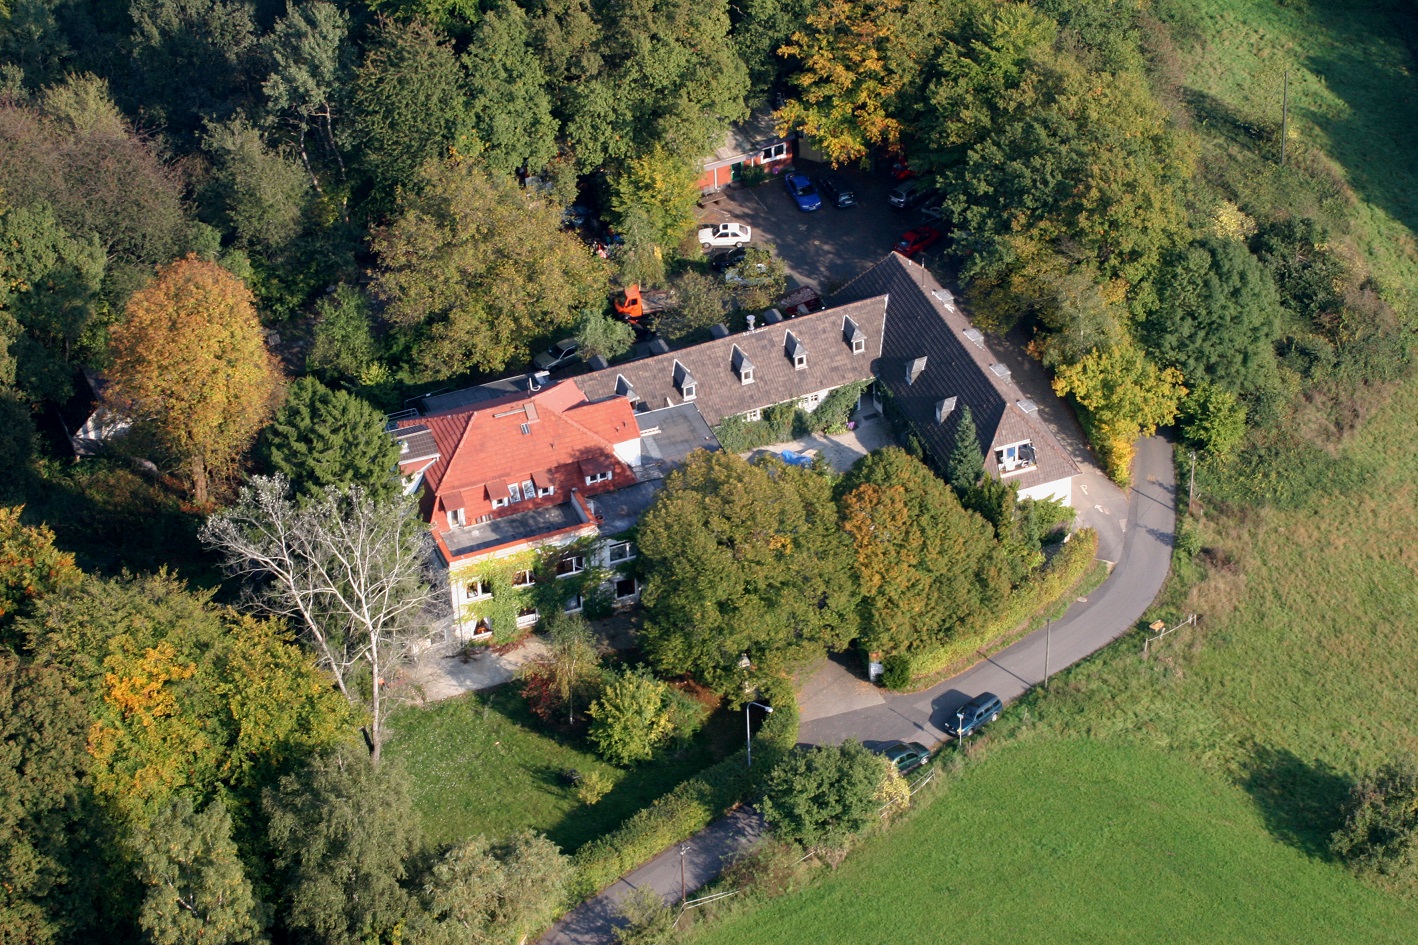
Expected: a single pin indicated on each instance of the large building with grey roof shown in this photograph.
(935, 363)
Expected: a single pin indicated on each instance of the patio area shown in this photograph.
(869, 432)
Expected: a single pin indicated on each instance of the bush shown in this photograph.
(896, 671)
(632, 718)
(1380, 832)
(823, 795)
(591, 787)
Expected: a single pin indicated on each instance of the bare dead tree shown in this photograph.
(352, 574)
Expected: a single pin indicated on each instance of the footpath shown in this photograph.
(1141, 556)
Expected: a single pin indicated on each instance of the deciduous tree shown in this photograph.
(196, 887)
(351, 573)
(481, 891)
(568, 667)
(30, 566)
(1380, 832)
(821, 796)
(631, 718)
(849, 80)
(476, 269)
(342, 830)
(509, 103)
(744, 560)
(190, 364)
(1212, 420)
(408, 103)
(599, 334)
(924, 564)
(1123, 396)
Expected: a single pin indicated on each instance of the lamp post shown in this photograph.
(748, 732)
(1048, 637)
(960, 726)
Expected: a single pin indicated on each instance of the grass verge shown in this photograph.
(481, 764)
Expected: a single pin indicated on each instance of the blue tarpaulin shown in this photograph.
(795, 459)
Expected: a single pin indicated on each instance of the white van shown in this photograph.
(905, 194)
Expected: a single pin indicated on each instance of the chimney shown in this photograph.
(659, 346)
(719, 331)
(914, 369)
(598, 363)
(772, 317)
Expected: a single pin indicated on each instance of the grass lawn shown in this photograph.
(1074, 840)
(482, 764)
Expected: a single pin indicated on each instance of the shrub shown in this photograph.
(648, 921)
(896, 671)
(591, 787)
(632, 717)
(823, 795)
(1380, 832)
(1007, 623)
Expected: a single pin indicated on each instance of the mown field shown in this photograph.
(1190, 798)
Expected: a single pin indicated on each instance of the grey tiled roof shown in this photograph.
(923, 322)
(719, 393)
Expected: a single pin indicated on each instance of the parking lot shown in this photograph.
(828, 247)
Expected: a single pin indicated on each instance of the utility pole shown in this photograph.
(1284, 116)
(683, 892)
(1191, 484)
(1048, 638)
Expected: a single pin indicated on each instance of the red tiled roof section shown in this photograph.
(485, 447)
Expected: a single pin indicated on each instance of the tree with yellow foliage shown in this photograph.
(1121, 396)
(190, 367)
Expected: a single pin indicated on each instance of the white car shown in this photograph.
(724, 234)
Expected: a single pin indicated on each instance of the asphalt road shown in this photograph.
(1141, 567)
(844, 707)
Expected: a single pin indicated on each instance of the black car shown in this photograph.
(837, 191)
(965, 720)
(906, 757)
(727, 260)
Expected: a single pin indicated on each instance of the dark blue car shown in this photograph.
(969, 717)
(804, 194)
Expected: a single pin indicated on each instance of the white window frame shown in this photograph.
(858, 346)
(690, 391)
(745, 377)
(528, 619)
(599, 477)
(528, 488)
(626, 546)
(456, 518)
(501, 503)
(529, 582)
(574, 605)
(486, 624)
(577, 563)
(483, 589)
(754, 415)
(774, 152)
(634, 582)
(799, 362)
(515, 491)
(545, 492)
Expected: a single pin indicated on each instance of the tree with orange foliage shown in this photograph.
(190, 365)
(30, 565)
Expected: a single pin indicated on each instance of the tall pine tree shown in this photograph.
(967, 463)
(322, 437)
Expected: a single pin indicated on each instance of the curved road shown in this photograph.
(837, 706)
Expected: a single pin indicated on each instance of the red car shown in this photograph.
(914, 241)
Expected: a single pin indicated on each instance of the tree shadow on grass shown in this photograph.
(1300, 800)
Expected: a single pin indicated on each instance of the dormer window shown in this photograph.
(859, 345)
(684, 381)
(594, 478)
(501, 502)
(456, 518)
(1015, 457)
(853, 335)
(514, 490)
(795, 351)
(742, 366)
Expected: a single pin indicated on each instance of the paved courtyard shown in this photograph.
(870, 432)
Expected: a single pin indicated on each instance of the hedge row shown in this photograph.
(694, 804)
(1011, 622)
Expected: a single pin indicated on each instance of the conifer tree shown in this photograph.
(967, 463)
(322, 437)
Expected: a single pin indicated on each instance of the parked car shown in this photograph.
(906, 195)
(559, 354)
(907, 756)
(802, 191)
(727, 259)
(725, 234)
(969, 717)
(917, 240)
(837, 191)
